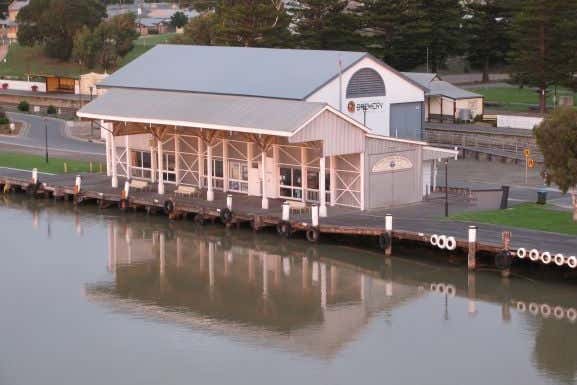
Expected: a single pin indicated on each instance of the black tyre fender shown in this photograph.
(313, 234)
(168, 206)
(384, 241)
(32, 189)
(284, 229)
(503, 259)
(199, 219)
(226, 215)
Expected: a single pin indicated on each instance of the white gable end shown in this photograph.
(377, 116)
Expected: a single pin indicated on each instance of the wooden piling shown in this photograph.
(472, 255)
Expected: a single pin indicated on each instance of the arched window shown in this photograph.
(366, 82)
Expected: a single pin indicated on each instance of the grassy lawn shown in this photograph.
(515, 98)
(527, 216)
(22, 61)
(54, 165)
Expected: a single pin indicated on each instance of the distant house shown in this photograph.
(153, 26)
(446, 102)
(9, 26)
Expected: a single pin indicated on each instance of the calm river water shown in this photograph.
(90, 297)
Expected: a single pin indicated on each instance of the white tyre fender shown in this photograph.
(521, 306)
(521, 252)
(558, 312)
(559, 259)
(451, 243)
(546, 258)
(572, 262)
(434, 240)
(545, 310)
(442, 243)
(533, 308)
(534, 255)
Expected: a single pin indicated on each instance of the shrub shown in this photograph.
(4, 120)
(4, 86)
(51, 110)
(24, 106)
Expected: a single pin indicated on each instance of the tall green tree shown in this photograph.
(408, 33)
(325, 24)
(544, 45)
(53, 23)
(107, 43)
(557, 139)
(199, 30)
(178, 19)
(486, 28)
(252, 23)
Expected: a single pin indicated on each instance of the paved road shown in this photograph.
(33, 137)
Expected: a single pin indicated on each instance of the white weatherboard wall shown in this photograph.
(398, 90)
(22, 85)
(515, 121)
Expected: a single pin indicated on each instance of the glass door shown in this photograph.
(237, 176)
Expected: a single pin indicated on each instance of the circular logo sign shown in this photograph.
(351, 106)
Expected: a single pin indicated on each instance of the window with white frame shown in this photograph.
(237, 176)
(217, 173)
(140, 164)
(169, 172)
(291, 183)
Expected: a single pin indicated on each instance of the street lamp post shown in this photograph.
(45, 140)
(446, 187)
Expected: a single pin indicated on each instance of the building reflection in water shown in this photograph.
(294, 299)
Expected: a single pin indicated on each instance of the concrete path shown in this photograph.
(32, 138)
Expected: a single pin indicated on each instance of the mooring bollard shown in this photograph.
(77, 184)
(472, 256)
(389, 232)
(315, 215)
(286, 211)
(229, 202)
(126, 190)
(34, 175)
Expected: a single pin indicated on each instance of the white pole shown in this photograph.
(127, 160)
(362, 168)
(304, 177)
(286, 211)
(200, 162)
(322, 187)
(333, 179)
(263, 183)
(388, 222)
(78, 182)
(34, 175)
(209, 187)
(177, 158)
(113, 161)
(160, 154)
(315, 215)
(229, 201)
(126, 189)
(224, 165)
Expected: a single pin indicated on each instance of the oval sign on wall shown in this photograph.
(392, 163)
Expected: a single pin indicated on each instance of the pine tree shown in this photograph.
(544, 45)
(487, 33)
(325, 24)
(251, 23)
(407, 32)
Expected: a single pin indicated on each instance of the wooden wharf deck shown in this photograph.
(407, 229)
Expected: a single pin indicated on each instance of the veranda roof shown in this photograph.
(220, 112)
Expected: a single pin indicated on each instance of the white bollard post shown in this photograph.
(286, 211)
(77, 183)
(315, 215)
(472, 255)
(126, 189)
(389, 231)
(34, 175)
(229, 201)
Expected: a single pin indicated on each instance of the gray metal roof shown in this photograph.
(241, 113)
(263, 72)
(441, 87)
(423, 78)
(436, 86)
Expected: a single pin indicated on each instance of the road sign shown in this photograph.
(531, 163)
(527, 152)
